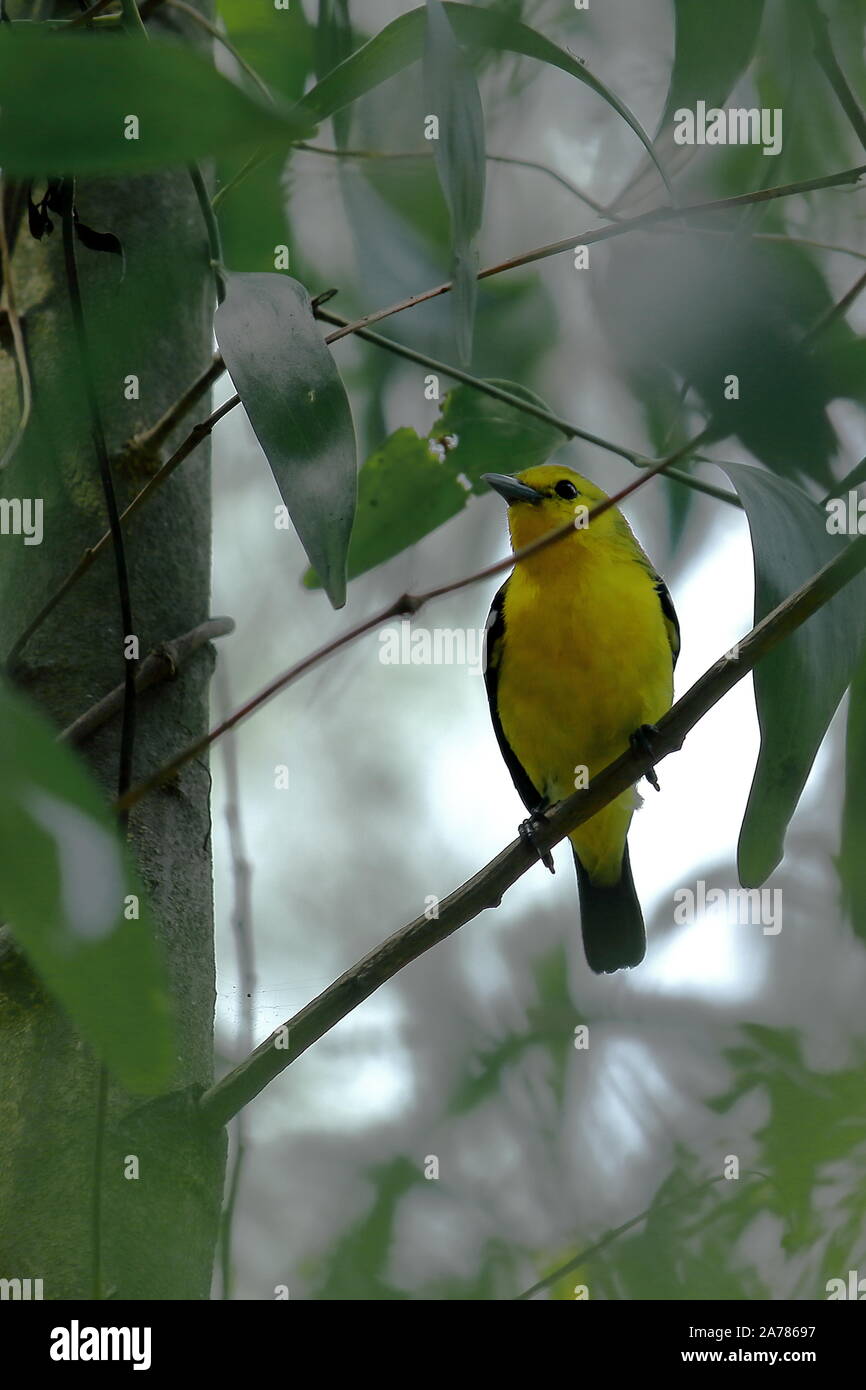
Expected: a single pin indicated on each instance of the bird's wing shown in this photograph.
(669, 613)
(495, 635)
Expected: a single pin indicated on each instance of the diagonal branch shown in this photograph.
(161, 664)
(487, 887)
(835, 76)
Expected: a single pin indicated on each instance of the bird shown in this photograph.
(580, 648)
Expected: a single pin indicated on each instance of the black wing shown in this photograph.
(670, 615)
(529, 795)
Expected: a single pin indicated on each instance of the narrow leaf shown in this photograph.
(297, 405)
(64, 884)
(451, 95)
(852, 860)
(400, 44)
(799, 685)
(86, 104)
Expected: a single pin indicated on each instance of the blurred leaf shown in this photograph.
(798, 686)
(400, 44)
(297, 405)
(852, 858)
(67, 100)
(493, 436)
(728, 315)
(795, 1154)
(64, 878)
(356, 1265)
(404, 491)
(550, 1024)
(451, 93)
(253, 220)
(278, 44)
(713, 47)
(333, 43)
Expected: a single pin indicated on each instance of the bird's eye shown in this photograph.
(565, 489)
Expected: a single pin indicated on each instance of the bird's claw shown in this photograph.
(641, 742)
(527, 831)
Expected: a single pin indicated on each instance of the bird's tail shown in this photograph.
(611, 920)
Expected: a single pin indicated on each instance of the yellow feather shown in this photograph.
(586, 658)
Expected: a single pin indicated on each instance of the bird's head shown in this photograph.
(546, 498)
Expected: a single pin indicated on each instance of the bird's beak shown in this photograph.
(511, 488)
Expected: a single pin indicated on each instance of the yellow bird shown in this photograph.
(582, 640)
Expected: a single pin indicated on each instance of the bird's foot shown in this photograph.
(641, 742)
(527, 832)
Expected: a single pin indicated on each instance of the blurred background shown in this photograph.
(726, 1041)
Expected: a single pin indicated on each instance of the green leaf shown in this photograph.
(404, 492)
(400, 44)
(852, 860)
(724, 308)
(298, 407)
(67, 101)
(714, 46)
(493, 436)
(451, 93)
(64, 878)
(278, 44)
(798, 686)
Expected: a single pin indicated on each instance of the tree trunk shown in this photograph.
(159, 1228)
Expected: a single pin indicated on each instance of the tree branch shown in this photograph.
(486, 888)
(161, 664)
(143, 448)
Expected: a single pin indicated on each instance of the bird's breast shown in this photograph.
(586, 660)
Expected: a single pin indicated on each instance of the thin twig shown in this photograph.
(836, 311)
(256, 158)
(835, 76)
(242, 931)
(148, 443)
(610, 1236)
(214, 240)
(386, 155)
(161, 664)
(223, 39)
(486, 888)
(87, 15)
